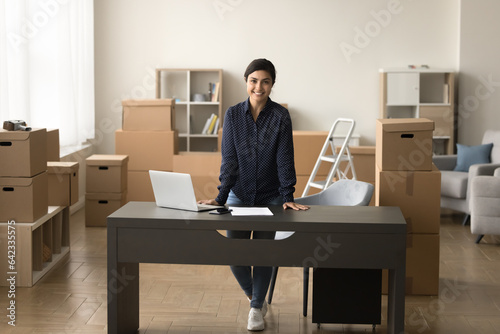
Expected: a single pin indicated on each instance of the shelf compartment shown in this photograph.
(402, 111)
(199, 83)
(204, 143)
(435, 88)
(173, 84)
(48, 235)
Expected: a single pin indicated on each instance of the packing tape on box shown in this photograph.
(409, 285)
(409, 226)
(409, 241)
(409, 183)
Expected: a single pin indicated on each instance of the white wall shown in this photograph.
(479, 83)
(304, 40)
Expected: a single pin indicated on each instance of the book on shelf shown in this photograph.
(216, 127)
(212, 124)
(209, 125)
(214, 91)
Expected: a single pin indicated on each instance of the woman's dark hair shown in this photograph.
(261, 64)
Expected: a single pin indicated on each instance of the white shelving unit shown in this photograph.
(187, 86)
(422, 92)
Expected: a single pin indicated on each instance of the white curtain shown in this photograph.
(47, 66)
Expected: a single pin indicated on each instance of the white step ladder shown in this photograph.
(343, 155)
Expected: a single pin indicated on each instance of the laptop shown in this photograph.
(175, 191)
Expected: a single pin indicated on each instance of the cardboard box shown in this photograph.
(53, 153)
(148, 115)
(198, 163)
(106, 173)
(422, 265)
(404, 144)
(363, 158)
(23, 199)
(24, 153)
(147, 149)
(204, 168)
(205, 187)
(418, 195)
(307, 147)
(98, 206)
(139, 187)
(63, 182)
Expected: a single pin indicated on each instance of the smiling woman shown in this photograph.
(257, 170)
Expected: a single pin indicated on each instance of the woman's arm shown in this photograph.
(285, 160)
(229, 162)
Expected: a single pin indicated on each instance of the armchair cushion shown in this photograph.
(471, 155)
(454, 184)
(445, 162)
(485, 205)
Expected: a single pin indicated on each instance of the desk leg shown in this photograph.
(396, 300)
(123, 291)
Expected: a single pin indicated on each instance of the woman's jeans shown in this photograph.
(257, 285)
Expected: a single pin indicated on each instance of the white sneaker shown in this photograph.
(264, 307)
(255, 320)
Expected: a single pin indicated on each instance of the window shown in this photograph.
(47, 66)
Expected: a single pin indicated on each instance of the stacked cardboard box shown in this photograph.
(63, 182)
(106, 187)
(23, 175)
(204, 169)
(53, 145)
(406, 177)
(62, 176)
(150, 141)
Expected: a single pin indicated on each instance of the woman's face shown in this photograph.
(259, 85)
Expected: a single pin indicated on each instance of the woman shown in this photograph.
(257, 170)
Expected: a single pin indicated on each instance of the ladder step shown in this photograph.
(333, 158)
(318, 184)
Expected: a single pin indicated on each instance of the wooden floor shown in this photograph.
(206, 299)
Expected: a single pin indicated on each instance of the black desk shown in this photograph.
(325, 236)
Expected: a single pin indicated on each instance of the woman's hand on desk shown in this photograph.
(208, 201)
(295, 206)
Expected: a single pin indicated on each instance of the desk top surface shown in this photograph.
(341, 219)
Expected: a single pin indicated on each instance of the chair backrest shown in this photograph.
(493, 136)
(342, 192)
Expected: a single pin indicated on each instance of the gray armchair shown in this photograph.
(485, 205)
(455, 186)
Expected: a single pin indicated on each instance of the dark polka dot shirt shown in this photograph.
(257, 156)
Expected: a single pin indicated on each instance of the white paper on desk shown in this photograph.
(250, 211)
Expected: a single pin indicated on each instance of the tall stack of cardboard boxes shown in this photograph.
(31, 191)
(23, 175)
(150, 141)
(407, 178)
(106, 187)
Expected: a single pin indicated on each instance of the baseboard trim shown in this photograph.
(77, 206)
